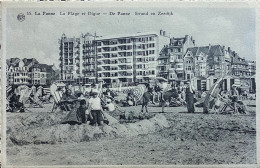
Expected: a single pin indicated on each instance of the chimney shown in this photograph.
(171, 40)
(163, 33)
(193, 42)
(228, 49)
(186, 37)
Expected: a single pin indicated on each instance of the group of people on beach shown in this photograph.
(87, 107)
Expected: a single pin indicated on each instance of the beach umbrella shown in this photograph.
(212, 93)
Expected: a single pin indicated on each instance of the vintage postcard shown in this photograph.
(129, 84)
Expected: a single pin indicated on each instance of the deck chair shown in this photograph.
(25, 96)
(57, 95)
(57, 101)
(36, 101)
(46, 95)
(12, 107)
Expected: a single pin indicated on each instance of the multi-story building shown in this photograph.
(22, 71)
(121, 58)
(212, 60)
(29, 72)
(189, 62)
(170, 61)
(10, 68)
(88, 73)
(251, 67)
(218, 63)
(138, 57)
(42, 74)
(240, 66)
(129, 58)
(69, 58)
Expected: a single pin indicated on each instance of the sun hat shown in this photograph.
(94, 91)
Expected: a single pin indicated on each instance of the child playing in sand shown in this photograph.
(81, 112)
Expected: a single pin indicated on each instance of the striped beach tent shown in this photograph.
(46, 91)
(138, 92)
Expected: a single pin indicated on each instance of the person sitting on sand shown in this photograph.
(180, 97)
(67, 95)
(217, 103)
(15, 103)
(130, 100)
(110, 106)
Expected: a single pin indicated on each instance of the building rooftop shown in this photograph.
(211, 50)
(125, 35)
(12, 61)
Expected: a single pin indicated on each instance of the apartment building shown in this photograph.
(21, 74)
(251, 67)
(170, 61)
(211, 60)
(28, 72)
(128, 58)
(69, 58)
(10, 69)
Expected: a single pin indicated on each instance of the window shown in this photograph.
(188, 76)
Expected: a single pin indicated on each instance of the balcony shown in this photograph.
(90, 70)
(178, 61)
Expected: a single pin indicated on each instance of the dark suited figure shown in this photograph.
(190, 98)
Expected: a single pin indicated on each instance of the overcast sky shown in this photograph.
(37, 36)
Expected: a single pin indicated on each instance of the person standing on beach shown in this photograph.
(81, 111)
(190, 98)
(234, 97)
(95, 108)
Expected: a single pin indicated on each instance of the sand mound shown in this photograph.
(46, 129)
